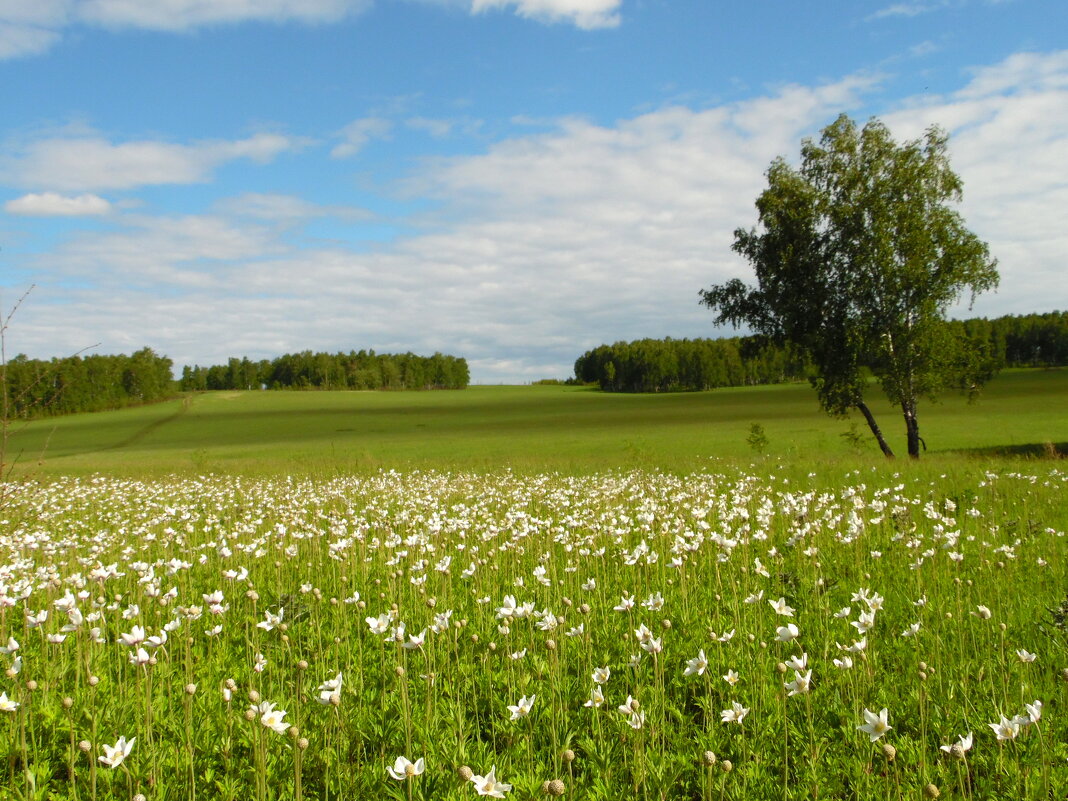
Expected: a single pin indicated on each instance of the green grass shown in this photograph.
(537, 428)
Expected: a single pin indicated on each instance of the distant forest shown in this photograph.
(353, 370)
(679, 365)
(39, 388)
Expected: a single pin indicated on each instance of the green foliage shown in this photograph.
(857, 260)
(38, 388)
(362, 370)
(757, 439)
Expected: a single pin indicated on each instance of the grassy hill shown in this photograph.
(570, 429)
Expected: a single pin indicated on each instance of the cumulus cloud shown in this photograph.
(355, 136)
(586, 14)
(86, 163)
(52, 204)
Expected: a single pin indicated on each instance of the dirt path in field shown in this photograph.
(155, 425)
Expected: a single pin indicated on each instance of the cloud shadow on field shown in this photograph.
(1030, 450)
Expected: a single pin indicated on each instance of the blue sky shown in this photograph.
(514, 181)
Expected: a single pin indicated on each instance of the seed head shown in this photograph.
(726, 765)
(931, 791)
(293, 732)
(465, 773)
(85, 746)
(568, 755)
(31, 685)
(250, 715)
(708, 758)
(302, 743)
(302, 664)
(190, 688)
(94, 680)
(889, 752)
(68, 702)
(399, 670)
(550, 645)
(554, 787)
(253, 696)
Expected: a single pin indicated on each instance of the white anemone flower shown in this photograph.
(402, 769)
(115, 754)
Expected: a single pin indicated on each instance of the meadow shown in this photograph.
(531, 429)
(530, 592)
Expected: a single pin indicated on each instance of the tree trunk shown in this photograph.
(912, 428)
(864, 410)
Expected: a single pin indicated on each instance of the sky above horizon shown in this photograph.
(512, 181)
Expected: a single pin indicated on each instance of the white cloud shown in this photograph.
(31, 28)
(180, 15)
(86, 163)
(358, 133)
(286, 209)
(586, 14)
(51, 204)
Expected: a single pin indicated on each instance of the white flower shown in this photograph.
(735, 714)
(625, 604)
(1026, 656)
(596, 700)
(912, 630)
(380, 624)
(522, 709)
(801, 682)
(1005, 729)
(786, 633)
(875, 725)
(134, 637)
(601, 675)
(415, 641)
(731, 678)
(654, 603)
(272, 718)
(983, 613)
(115, 754)
(271, 620)
(139, 657)
(488, 784)
(797, 662)
(845, 663)
(6, 704)
(696, 666)
(964, 742)
(782, 608)
(402, 769)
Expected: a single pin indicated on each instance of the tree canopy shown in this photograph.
(858, 257)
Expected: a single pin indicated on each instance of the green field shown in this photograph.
(570, 429)
(642, 607)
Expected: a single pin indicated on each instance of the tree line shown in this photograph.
(681, 365)
(40, 388)
(360, 370)
(47, 387)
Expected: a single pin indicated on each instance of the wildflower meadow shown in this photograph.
(736, 633)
